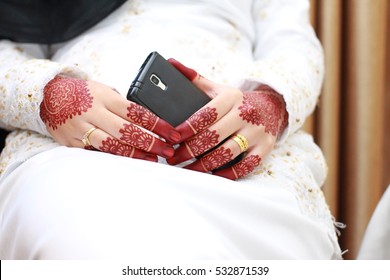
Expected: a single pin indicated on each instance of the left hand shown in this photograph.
(72, 109)
(257, 117)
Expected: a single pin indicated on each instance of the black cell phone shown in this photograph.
(165, 91)
(162, 89)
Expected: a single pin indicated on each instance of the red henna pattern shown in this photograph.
(90, 148)
(203, 119)
(203, 142)
(141, 116)
(247, 165)
(261, 108)
(63, 99)
(216, 158)
(134, 136)
(114, 146)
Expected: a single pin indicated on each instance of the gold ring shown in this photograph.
(241, 141)
(86, 135)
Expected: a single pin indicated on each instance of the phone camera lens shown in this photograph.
(155, 80)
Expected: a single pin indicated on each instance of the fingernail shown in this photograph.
(174, 136)
(150, 157)
(188, 72)
(171, 161)
(168, 152)
(226, 173)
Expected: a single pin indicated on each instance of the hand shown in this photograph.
(71, 107)
(257, 117)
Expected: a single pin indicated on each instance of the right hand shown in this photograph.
(71, 107)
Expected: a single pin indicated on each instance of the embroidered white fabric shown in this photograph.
(58, 202)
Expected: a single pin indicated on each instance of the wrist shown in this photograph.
(276, 101)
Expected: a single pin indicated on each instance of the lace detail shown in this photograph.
(20, 95)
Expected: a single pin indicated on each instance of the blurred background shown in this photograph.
(352, 120)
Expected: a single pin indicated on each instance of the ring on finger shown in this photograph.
(86, 135)
(242, 142)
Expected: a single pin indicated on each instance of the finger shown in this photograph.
(133, 135)
(216, 110)
(240, 169)
(217, 158)
(104, 142)
(141, 139)
(199, 121)
(198, 145)
(212, 160)
(114, 146)
(142, 117)
(206, 140)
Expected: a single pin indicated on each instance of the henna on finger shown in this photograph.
(240, 169)
(116, 147)
(199, 121)
(203, 142)
(195, 146)
(146, 119)
(141, 116)
(136, 137)
(63, 99)
(211, 161)
(90, 148)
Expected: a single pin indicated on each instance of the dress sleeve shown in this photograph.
(288, 57)
(24, 72)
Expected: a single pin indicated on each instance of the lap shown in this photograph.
(71, 204)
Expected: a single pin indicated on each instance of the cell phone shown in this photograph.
(165, 91)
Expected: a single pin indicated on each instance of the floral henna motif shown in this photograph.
(136, 137)
(202, 119)
(114, 146)
(263, 108)
(64, 98)
(216, 158)
(141, 116)
(203, 142)
(246, 166)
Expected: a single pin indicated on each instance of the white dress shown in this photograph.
(69, 203)
(376, 240)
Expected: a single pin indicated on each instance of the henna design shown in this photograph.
(90, 148)
(202, 119)
(114, 146)
(203, 142)
(141, 116)
(216, 158)
(263, 108)
(246, 166)
(63, 99)
(136, 137)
